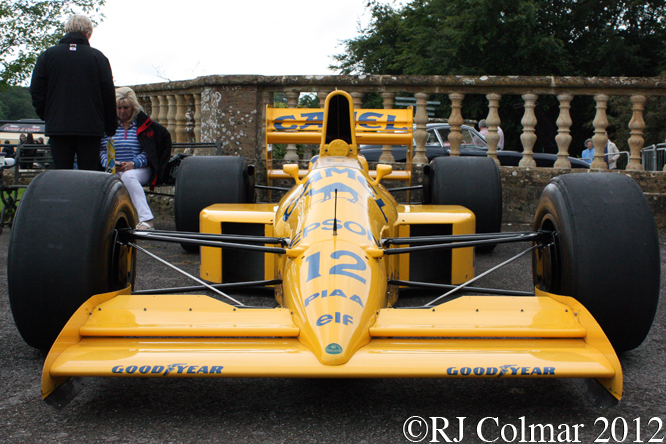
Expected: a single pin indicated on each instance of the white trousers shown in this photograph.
(134, 180)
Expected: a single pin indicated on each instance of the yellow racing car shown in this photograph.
(337, 249)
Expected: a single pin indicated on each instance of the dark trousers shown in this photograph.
(86, 148)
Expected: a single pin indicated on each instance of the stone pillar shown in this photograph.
(197, 117)
(600, 137)
(321, 95)
(493, 121)
(155, 108)
(420, 135)
(387, 150)
(171, 116)
(181, 118)
(292, 102)
(528, 137)
(455, 121)
(357, 98)
(164, 110)
(636, 141)
(563, 137)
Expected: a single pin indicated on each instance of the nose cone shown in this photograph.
(341, 290)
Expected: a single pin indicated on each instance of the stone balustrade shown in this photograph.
(231, 108)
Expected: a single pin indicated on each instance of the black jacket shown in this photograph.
(155, 141)
(72, 89)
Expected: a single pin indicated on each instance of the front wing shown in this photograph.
(117, 334)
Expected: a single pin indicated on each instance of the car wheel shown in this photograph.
(472, 182)
(63, 249)
(605, 252)
(206, 180)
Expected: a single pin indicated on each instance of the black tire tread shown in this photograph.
(59, 250)
(609, 251)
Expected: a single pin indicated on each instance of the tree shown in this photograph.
(512, 37)
(27, 27)
(16, 104)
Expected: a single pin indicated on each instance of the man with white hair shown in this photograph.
(72, 90)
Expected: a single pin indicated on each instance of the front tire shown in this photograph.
(605, 252)
(63, 249)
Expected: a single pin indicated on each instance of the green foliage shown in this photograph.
(27, 27)
(16, 104)
(510, 37)
(515, 37)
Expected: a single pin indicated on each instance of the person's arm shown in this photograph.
(140, 160)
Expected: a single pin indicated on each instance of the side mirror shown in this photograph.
(383, 171)
(292, 170)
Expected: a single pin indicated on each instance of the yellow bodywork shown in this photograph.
(335, 315)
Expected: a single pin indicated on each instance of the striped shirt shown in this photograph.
(128, 148)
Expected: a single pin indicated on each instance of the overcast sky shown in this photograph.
(148, 41)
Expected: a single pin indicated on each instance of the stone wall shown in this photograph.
(521, 189)
(229, 114)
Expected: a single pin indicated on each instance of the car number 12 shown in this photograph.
(340, 269)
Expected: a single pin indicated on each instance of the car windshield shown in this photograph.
(471, 139)
(432, 139)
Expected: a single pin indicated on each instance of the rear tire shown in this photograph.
(206, 180)
(605, 253)
(474, 183)
(62, 249)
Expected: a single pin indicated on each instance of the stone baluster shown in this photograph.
(420, 135)
(387, 150)
(171, 116)
(357, 98)
(321, 95)
(600, 137)
(563, 137)
(181, 118)
(155, 108)
(164, 110)
(455, 121)
(636, 141)
(197, 117)
(528, 137)
(493, 121)
(292, 102)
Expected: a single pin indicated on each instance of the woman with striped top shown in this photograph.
(130, 162)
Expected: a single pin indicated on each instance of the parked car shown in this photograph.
(473, 144)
